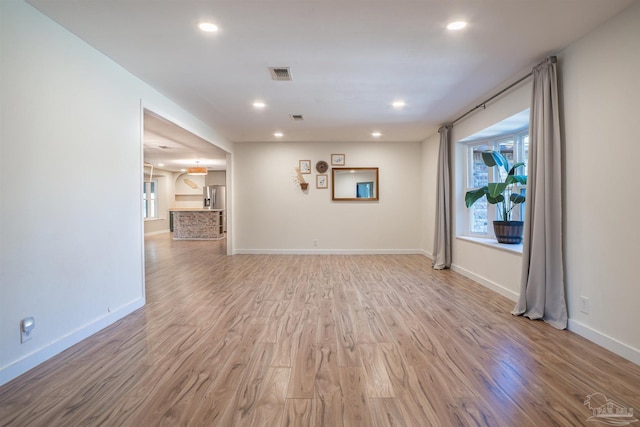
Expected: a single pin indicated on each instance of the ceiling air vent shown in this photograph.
(280, 73)
(297, 117)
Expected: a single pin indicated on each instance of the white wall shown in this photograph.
(429, 179)
(493, 267)
(216, 178)
(601, 90)
(274, 215)
(185, 196)
(70, 234)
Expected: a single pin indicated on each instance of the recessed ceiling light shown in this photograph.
(278, 134)
(376, 134)
(208, 27)
(160, 164)
(398, 104)
(457, 25)
(259, 104)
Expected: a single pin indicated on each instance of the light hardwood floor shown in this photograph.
(317, 340)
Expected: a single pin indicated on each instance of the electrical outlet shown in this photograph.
(26, 327)
(585, 305)
(315, 242)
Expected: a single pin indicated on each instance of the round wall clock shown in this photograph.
(322, 166)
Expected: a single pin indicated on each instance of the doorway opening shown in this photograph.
(179, 169)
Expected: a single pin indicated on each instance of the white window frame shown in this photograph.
(150, 199)
(468, 171)
(492, 144)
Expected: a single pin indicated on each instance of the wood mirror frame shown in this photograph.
(355, 184)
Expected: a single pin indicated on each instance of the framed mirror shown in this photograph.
(354, 184)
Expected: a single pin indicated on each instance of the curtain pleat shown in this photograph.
(442, 235)
(542, 287)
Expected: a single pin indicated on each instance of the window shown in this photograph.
(515, 147)
(150, 199)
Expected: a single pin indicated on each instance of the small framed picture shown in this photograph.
(337, 159)
(305, 166)
(322, 181)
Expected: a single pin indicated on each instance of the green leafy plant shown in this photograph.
(499, 193)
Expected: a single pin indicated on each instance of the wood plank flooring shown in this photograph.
(317, 340)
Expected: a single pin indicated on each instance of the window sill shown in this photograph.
(492, 243)
(153, 219)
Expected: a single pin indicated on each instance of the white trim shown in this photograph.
(492, 243)
(153, 233)
(328, 252)
(486, 282)
(230, 206)
(38, 356)
(143, 271)
(154, 219)
(427, 254)
(492, 143)
(615, 346)
(621, 349)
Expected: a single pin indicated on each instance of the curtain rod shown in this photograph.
(552, 59)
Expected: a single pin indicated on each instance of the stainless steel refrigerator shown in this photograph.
(214, 197)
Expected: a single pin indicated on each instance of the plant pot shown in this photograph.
(304, 185)
(508, 231)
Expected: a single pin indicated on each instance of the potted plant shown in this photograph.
(501, 194)
(299, 179)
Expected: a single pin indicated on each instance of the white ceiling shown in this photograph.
(349, 58)
(170, 147)
(519, 121)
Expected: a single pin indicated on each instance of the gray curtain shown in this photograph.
(442, 235)
(542, 289)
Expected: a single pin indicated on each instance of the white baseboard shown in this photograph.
(327, 252)
(427, 254)
(153, 233)
(610, 343)
(621, 349)
(29, 361)
(513, 296)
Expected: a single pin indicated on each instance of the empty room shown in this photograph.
(319, 213)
